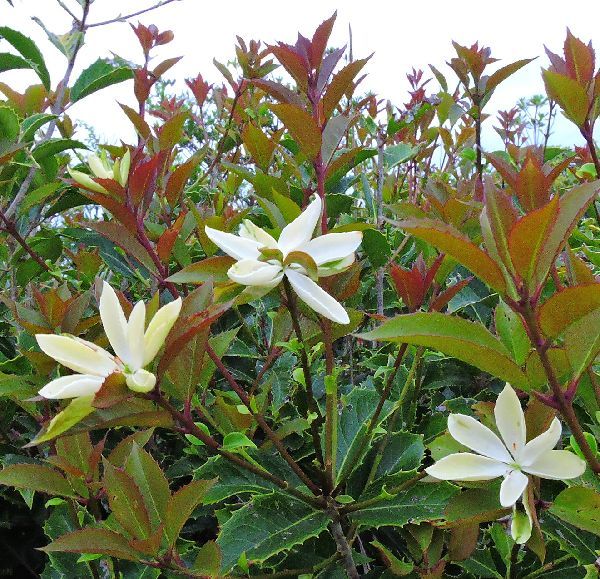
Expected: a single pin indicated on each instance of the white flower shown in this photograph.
(511, 457)
(263, 261)
(134, 349)
(101, 168)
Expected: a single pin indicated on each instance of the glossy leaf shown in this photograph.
(37, 477)
(468, 341)
(29, 51)
(99, 75)
(301, 126)
(579, 506)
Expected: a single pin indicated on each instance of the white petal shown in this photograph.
(158, 329)
(510, 420)
(466, 466)
(236, 247)
(86, 181)
(72, 386)
(333, 246)
(334, 267)
(249, 230)
(98, 168)
(253, 272)
(297, 233)
(114, 321)
(135, 336)
(540, 444)
(512, 488)
(557, 465)
(141, 381)
(477, 437)
(317, 298)
(78, 355)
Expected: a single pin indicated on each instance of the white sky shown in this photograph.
(401, 34)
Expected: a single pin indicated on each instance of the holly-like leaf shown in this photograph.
(74, 412)
(422, 502)
(269, 525)
(468, 341)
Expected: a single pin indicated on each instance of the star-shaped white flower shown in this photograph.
(135, 347)
(264, 261)
(511, 457)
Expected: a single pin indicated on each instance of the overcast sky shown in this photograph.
(401, 34)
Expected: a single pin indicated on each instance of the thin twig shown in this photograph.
(122, 18)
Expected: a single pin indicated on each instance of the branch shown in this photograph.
(261, 421)
(123, 18)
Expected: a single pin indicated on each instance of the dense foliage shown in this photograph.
(337, 299)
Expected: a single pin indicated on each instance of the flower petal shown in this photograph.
(141, 381)
(114, 321)
(78, 355)
(557, 465)
(135, 336)
(72, 386)
(510, 420)
(333, 246)
(477, 437)
(467, 466)
(512, 488)
(317, 298)
(158, 329)
(236, 247)
(253, 272)
(249, 230)
(540, 444)
(98, 167)
(333, 267)
(297, 233)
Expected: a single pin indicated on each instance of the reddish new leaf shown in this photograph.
(301, 126)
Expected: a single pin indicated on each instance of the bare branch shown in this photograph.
(123, 18)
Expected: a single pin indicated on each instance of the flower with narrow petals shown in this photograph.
(135, 347)
(101, 168)
(262, 261)
(512, 457)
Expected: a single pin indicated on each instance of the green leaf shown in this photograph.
(481, 564)
(468, 341)
(214, 268)
(31, 124)
(36, 477)
(235, 440)
(29, 51)
(209, 560)
(269, 525)
(99, 75)
(76, 411)
(151, 481)
(352, 427)
(181, 506)
(567, 306)
(10, 61)
(9, 124)
(55, 146)
(579, 506)
(234, 480)
(422, 502)
(477, 505)
(512, 332)
(91, 540)
(376, 247)
(396, 154)
(570, 95)
(582, 342)
(397, 567)
(403, 452)
(126, 502)
(580, 544)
